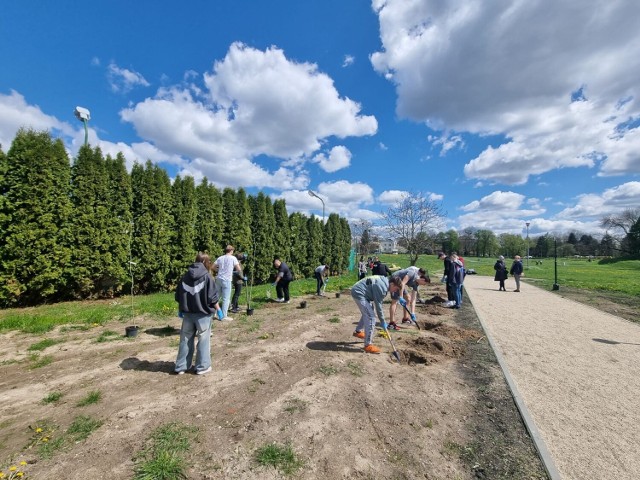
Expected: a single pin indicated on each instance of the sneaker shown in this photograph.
(371, 349)
(227, 319)
(181, 372)
(235, 310)
(393, 326)
(406, 320)
(286, 301)
(358, 334)
(279, 300)
(202, 372)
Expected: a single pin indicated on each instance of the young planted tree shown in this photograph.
(36, 250)
(412, 214)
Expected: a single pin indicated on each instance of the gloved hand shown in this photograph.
(220, 314)
(413, 317)
(383, 325)
(402, 302)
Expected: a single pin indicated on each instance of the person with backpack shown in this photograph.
(320, 273)
(364, 292)
(455, 276)
(517, 270)
(197, 299)
(283, 278)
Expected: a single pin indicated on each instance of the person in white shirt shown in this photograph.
(320, 274)
(225, 265)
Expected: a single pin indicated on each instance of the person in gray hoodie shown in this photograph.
(372, 289)
(197, 301)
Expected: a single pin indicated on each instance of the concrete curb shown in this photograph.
(541, 447)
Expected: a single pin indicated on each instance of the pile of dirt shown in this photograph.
(435, 300)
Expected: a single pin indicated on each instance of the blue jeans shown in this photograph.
(457, 290)
(224, 294)
(194, 325)
(367, 319)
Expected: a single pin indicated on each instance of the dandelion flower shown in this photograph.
(20, 474)
(45, 439)
(23, 463)
(1, 475)
(38, 430)
(13, 469)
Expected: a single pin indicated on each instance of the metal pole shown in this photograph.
(86, 132)
(555, 253)
(527, 244)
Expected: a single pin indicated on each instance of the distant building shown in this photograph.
(390, 245)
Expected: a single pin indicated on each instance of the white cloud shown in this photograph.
(556, 86)
(611, 201)
(123, 80)
(446, 142)
(391, 197)
(342, 197)
(339, 157)
(16, 113)
(255, 103)
(348, 60)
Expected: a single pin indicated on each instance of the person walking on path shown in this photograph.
(410, 277)
(455, 276)
(283, 279)
(372, 289)
(517, 271)
(501, 273)
(225, 265)
(197, 301)
(451, 300)
(239, 278)
(362, 268)
(321, 273)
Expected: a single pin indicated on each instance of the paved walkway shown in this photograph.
(575, 374)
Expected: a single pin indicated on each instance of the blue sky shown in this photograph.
(503, 111)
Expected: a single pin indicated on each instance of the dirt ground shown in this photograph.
(287, 375)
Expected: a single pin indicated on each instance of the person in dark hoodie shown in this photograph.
(197, 301)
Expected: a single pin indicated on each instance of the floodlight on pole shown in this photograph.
(527, 224)
(84, 116)
(314, 194)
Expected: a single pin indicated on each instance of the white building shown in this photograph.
(388, 245)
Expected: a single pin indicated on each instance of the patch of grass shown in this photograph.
(52, 397)
(48, 449)
(428, 423)
(255, 383)
(82, 427)
(108, 336)
(9, 362)
(281, 457)
(334, 320)
(162, 458)
(328, 370)
(37, 361)
(92, 397)
(355, 369)
(42, 344)
(295, 405)
(174, 342)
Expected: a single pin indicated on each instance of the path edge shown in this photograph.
(538, 442)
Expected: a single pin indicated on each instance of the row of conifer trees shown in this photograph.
(81, 229)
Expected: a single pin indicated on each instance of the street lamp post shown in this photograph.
(527, 224)
(84, 116)
(555, 264)
(314, 194)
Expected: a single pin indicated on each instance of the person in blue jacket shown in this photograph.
(372, 289)
(517, 270)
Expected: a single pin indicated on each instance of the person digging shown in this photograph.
(372, 289)
(410, 277)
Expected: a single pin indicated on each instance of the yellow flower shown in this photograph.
(1, 475)
(23, 463)
(45, 439)
(13, 469)
(19, 474)
(38, 430)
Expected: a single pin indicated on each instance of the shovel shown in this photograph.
(395, 352)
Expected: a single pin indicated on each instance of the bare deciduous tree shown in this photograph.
(412, 215)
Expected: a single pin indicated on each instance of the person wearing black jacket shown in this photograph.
(197, 302)
(380, 268)
(283, 279)
(451, 298)
(238, 280)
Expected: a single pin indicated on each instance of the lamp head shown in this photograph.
(82, 114)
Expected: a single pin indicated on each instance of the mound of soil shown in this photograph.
(435, 300)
